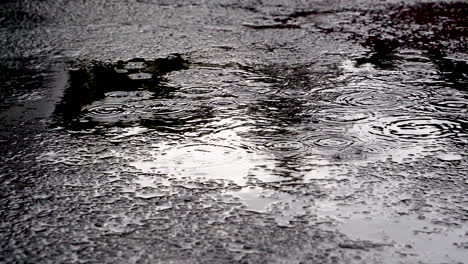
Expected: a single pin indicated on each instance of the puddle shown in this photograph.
(119, 94)
(415, 129)
(409, 236)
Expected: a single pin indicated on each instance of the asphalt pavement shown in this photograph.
(283, 131)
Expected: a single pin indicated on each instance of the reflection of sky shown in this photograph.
(218, 156)
(272, 142)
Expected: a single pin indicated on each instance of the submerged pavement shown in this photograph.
(152, 131)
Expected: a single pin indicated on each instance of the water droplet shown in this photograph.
(450, 157)
(197, 90)
(140, 76)
(135, 65)
(122, 71)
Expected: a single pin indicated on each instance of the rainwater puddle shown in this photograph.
(168, 94)
(281, 206)
(289, 148)
(415, 128)
(119, 94)
(283, 128)
(282, 152)
(409, 236)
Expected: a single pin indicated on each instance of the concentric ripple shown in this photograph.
(333, 141)
(380, 95)
(343, 115)
(224, 104)
(366, 98)
(278, 146)
(293, 93)
(418, 128)
(198, 91)
(286, 146)
(450, 105)
(326, 142)
(104, 112)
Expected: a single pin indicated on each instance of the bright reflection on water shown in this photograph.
(296, 147)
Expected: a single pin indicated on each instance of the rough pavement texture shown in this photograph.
(154, 131)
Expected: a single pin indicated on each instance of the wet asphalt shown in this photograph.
(284, 131)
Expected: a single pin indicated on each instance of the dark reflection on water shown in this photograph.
(18, 81)
(453, 70)
(125, 93)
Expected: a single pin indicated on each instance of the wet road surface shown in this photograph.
(151, 131)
